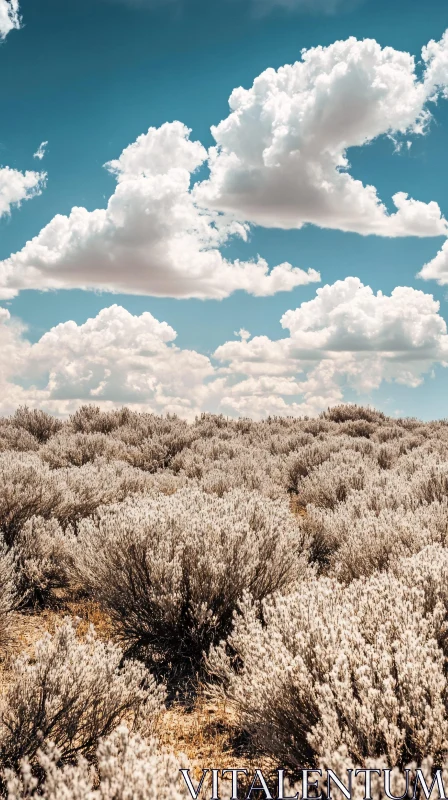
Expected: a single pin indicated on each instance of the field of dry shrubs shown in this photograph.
(288, 576)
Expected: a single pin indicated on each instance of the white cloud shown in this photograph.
(347, 336)
(41, 150)
(17, 186)
(120, 358)
(111, 359)
(281, 154)
(151, 239)
(9, 17)
(244, 335)
(437, 268)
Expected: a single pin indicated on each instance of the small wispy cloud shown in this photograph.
(41, 150)
(243, 334)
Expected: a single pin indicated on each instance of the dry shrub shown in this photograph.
(77, 449)
(37, 423)
(72, 692)
(27, 489)
(44, 560)
(128, 767)
(169, 523)
(9, 596)
(171, 570)
(90, 419)
(331, 483)
(12, 438)
(333, 665)
(350, 413)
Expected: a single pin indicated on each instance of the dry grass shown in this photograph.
(209, 737)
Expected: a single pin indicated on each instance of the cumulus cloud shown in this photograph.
(280, 158)
(151, 239)
(120, 358)
(9, 17)
(111, 359)
(347, 336)
(437, 268)
(41, 150)
(17, 186)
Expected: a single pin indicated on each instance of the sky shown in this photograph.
(235, 206)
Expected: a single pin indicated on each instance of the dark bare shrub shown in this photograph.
(171, 570)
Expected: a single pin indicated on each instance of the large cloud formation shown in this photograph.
(280, 161)
(346, 336)
(9, 17)
(281, 155)
(151, 239)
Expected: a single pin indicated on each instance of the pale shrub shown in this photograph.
(332, 481)
(128, 768)
(9, 597)
(95, 484)
(428, 571)
(333, 665)
(44, 560)
(357, 540)
(352, 412)
(90, 419)
(72, 692)
(339, 761)
(37, 423)
(27, 489)
(299, 464)
(76, 449)
(171, 570)
(12, 438)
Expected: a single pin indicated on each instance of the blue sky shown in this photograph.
(89, 77)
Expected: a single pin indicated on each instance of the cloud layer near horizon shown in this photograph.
(346, 335)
